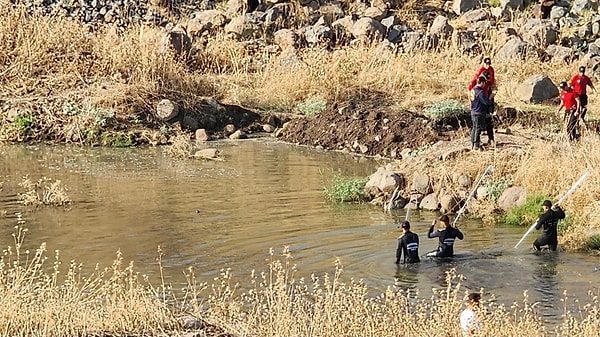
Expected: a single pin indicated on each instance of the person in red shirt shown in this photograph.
(580, 82)
(491, 79)
(570, 101)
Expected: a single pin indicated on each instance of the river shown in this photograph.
(212, 215)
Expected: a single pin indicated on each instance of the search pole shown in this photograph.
(488, 170)
(560, 201)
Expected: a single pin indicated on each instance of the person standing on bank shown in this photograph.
(570, 101)
(549, 222)
(491, 76)
(408, 244)
(447, 235)
(469, 323)
(479, 110)
(579, 83)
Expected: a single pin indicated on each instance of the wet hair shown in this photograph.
(474, 297)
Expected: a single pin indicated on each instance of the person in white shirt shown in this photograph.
(469, 322)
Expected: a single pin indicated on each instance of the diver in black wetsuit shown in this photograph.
(447, 235)
(409, 244)
(549, 221)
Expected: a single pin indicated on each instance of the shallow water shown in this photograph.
(213, 215)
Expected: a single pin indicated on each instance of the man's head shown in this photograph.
(481, 80)
(473, 299)
(547, 204)
(405, 225)
(582, 70)
(486, 74)
(563, 85)
(445, 220)
(487, 62)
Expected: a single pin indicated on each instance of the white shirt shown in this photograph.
(468, 321)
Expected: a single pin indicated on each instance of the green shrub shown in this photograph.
(565, 225)
(446, 109)
(594, 241)
(495, 187)
(116, 139)
(23, 123)
(346, 189)
(494, 3)
(312, 106)
(100, 117)
(526, 214)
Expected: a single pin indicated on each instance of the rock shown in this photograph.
(441, 26)
(557, 12)
(512, 196)
(511, 4)
(481, 193)
(461, 6)
(368, 28)
(331, 12)
(230, 128)
(513, 49)
(177, 41)
(463, 181)
(242, 27)
(390, 21)
(465, 41)
(202, 135)
(167, 110)
(209, 20)
(375, 13)
(268, 128)
(286, 39)
(207, 154)
(475, 15)
(189, 122)
(384, 181)
(560, 54)
(421, 184)
(239, 134)
(319, 34)
(536, 88)
(449, 203)
(235, 7)
(579, 6)
(541, 35)
(429, 203)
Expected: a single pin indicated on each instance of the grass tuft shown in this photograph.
(346, 189)
(526, 214)
(447, 109)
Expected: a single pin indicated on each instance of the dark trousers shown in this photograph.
(489, 127)
(583, 99)
(478, 125)
(545, 240)
(572, 127)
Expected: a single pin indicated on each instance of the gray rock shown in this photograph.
(189, 122)
(429, 203)
(207, 154)
(331, 12)
(536, 89)
(463, 180)
(560, 53)
(579, 6)
(319, 34)
(511, 4)
(475, 15)
(242, 27)
(482, 193)
(557, 12)
(239, 134)
(541, 35)
(461, 6)
(209, 20)
(286, 39)
(368, 28)
(375, 13)
(268, 128)
(230, 128)
(513, 49)
(465, 41)
(412, 42)
(449, 203)
(441, 26)
(176, 40)
(202, 135)
(511, 197)
(390, 21)
(167, 110)
(384, 181)
(421, 184)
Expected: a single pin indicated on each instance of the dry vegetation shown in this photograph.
(45, 191)
(45, 300)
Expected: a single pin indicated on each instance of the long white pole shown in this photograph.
(560, 201)
(487, 171)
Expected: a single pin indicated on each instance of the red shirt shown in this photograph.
(580, 83)
(490, 81)
(568, 96)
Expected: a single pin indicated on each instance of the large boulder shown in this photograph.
(430, 203)
(167, 110)
(449, 203)
(384, 181)
(536, 88)
(462, 6)
(513, 49)
(512, 196)
(209, 20)
(421, 184)
(368, 28)
(441, 26)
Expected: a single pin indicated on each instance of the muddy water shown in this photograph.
(212, 215)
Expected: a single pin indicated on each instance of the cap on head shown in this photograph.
(474, 297)
(444, 218)
(547, 203)
(563, 85)
(405, 224)
(582, 69)
(487, 61)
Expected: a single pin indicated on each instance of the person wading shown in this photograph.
(408, 243)
(479, 111)
(549, 222)
(447, 235)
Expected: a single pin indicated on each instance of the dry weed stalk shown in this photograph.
(43, 192)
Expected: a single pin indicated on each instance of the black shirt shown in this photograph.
(409, 244)
(447, 237)
(549, 221)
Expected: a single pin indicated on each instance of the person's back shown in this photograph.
(408, 244)
(446, 236)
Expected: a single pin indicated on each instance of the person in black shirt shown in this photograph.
(549, 221)
(447, 235)
(409, 244)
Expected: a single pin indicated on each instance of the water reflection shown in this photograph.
(407, 276)
(546, 283)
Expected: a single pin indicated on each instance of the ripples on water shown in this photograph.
(213, 215)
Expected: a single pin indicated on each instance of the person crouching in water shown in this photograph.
(549, 221)
(447, 235)
(408, 244)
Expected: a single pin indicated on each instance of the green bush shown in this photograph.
(346, 189)
(565, 225)
(23, 123)
(594, 241)
(494, 3)
(495, 187)
(100, 117)
(446, 109)
(526, 214)
(312, 106)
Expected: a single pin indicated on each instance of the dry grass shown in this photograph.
(43, 192)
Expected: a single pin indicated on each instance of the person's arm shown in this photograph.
(592, 86)
(562, 104)
(431, 234)
(483, 98)
(558, 212)
(459, 234)
(399, 250)
(542, 219)
(578, 104)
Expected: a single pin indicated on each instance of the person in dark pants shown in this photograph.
(408, 244)
(549, 222)
(579, 83)
(489, 118)
(570, 101)
(479, 110)
(447, 235)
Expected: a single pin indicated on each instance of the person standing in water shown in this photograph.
(408, 244)
(447, 235)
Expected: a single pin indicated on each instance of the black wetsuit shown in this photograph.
(447, 237)
(549, 221)
(409, 244)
